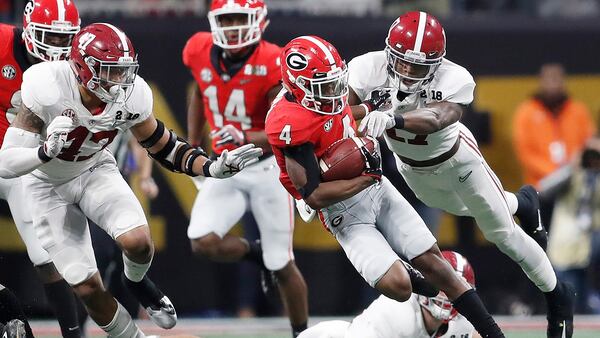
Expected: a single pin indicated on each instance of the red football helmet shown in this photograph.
(415, 47)
(440, 306)
(49, 27)
(314, 73)
(104, 61)
(229, 35)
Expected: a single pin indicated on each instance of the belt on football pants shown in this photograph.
(432, 161)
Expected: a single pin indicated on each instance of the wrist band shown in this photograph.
(205, 168)
(42, 155)
(399, 122)
(364, 105)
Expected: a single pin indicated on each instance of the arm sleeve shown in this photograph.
(304, 154)
(19, 153)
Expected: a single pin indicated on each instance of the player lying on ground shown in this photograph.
(439, 157)
(372, 222)
(419, 317)
(48, 28)
(237, 76)
(77, 108)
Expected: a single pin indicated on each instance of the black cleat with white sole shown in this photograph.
(560, 304)
(157, 305)
(528, 213)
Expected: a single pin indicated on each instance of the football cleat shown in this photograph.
(268, 283)
(157, 305)
(528, 213)
(14, 329)
(163, 316)
(419, 285)
(560, 312)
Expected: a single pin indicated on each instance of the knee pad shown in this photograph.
(74, 265)
(77, 273)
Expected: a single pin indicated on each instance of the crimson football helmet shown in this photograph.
(104, 61)
(440, 306)
(415, 47)
(314, 73)
(49, 27)
(237, 36)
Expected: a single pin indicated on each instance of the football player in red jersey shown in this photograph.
(237, 75)
(372, 222)
(48, 28)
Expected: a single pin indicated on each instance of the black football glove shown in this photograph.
(378, 98)
(372, 163)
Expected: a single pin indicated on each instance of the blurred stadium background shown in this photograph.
(502, 43)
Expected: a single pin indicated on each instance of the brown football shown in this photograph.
(343, 159)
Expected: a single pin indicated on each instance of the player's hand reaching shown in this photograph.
(378, 99)
(229, 135)
(56, 138)
(372, 161)
(376, 122)
(232, 162)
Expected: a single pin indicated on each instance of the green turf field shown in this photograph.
(531, 327)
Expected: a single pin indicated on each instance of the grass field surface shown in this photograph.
(514, 327)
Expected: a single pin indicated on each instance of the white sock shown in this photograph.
(135, 272)
(513, 203)
(122, 326)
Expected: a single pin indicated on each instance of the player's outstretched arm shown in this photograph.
(21, 151)
(302, 168)
(422, 121)
(177, 155)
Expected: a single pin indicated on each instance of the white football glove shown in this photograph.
(232, 162)
(229, 134)
(57, 132)
(376, 122)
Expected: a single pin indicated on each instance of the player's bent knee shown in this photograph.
(136, 244)
(395, 284)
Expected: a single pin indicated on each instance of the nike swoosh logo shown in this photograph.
(73, 328)
(539, 227)
(464, 178)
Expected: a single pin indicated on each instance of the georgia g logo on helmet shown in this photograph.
(296, 61)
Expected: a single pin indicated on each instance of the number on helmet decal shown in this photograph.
(85, 40)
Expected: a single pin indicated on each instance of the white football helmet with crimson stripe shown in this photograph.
(440, 306)
(415, 47)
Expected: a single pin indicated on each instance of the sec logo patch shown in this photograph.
(9, 72)
(206, 75)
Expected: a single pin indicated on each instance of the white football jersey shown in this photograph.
(387, 318)
(452, 83)
(50, 89)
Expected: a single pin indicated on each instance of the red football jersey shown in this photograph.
(13, 62)
(290, 124)
(238, 98)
